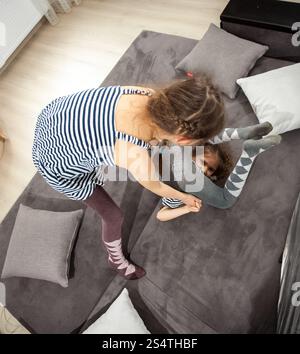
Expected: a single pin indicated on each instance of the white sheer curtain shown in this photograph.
(51, 8)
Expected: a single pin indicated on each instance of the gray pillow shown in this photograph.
(224, 57)
(41, 244)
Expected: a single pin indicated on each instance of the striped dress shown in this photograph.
(171, 202)
(74, 139)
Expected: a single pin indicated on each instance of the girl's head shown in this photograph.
(216, 162)
(188, 111)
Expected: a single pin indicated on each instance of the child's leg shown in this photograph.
(251, 149)
(225, 197)
(112, 220)
(250, 132)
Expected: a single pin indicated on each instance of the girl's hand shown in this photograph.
(194, 209)
(191, 201)
(166, 214)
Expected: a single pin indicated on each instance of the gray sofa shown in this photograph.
(213, 272)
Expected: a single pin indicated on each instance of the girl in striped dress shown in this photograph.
(79, 134)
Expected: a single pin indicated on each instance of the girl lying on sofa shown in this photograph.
(215, 163)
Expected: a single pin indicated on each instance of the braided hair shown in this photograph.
(191, 107)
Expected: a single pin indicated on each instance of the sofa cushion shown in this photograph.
(41, 244)
(224, 57)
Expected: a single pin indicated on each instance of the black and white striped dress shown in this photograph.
(75, 137)
(171, 202)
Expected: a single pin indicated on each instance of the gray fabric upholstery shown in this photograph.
(41, 244)
(289, 298)
(219, 270)
(224, 57)
(216, 271)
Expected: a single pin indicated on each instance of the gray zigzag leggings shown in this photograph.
(224, 198)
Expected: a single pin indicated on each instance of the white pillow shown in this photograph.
(275, 97)
(121, 317)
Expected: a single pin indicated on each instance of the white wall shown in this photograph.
(17, 19)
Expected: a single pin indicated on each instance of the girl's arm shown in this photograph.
(138, 162)
(166, 214)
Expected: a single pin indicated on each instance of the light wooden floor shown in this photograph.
(76, 54)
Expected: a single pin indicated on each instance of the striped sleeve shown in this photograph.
(171, 203)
